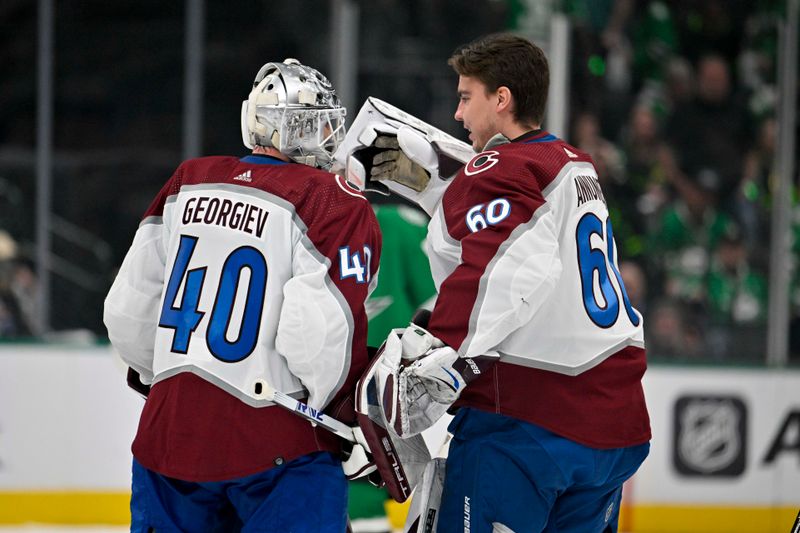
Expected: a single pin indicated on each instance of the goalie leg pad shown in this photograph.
(423, 515)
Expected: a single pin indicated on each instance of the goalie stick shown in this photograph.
(388, 453)
(303, 410)
(279, 398)
(400, 461)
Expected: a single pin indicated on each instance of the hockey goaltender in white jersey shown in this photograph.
(247, 277)
(264, 264)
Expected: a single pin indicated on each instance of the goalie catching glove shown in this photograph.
(421, 387)
(400, 461)
(418, 379)
(410, 384)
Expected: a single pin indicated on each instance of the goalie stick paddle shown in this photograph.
(309, 413)
(400, 461)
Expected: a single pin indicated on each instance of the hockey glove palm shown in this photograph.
(403, 159)
(434, 375)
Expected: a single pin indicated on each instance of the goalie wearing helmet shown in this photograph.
(248, 274)
(294, 110)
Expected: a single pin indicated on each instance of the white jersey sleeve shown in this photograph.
(316, 326)
(131, 307)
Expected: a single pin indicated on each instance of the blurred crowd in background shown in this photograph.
(674, 99)
(676, 102)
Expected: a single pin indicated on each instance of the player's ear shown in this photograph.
(504, 98)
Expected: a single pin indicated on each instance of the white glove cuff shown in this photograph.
(417, 341)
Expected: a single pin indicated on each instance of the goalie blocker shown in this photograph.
(400, 462)
(417, 159)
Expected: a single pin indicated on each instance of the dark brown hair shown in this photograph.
(503, 59)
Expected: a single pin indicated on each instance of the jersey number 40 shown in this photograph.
(184, 317)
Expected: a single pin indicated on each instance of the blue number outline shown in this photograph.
(185, 318)
(599, 259)
(227, 288)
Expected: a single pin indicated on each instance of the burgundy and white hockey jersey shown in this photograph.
(523, 255)
(244, 272)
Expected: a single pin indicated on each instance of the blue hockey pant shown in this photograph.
(503, 471)
(306, 495)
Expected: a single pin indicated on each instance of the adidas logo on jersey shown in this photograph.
(247, 176)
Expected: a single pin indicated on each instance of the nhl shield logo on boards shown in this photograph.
(710, 436)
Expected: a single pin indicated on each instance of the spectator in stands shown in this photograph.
(753, 200)
(13, 320)
(737, 293)
(676, 89)
(672, 332)
(635, 281)
(645, 192)
(737, 301)
(601, 55)
(605, 154)
(679, 83)
(641, 140)
(711, 133)
(687, 234)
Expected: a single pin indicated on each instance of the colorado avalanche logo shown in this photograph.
(481, 162)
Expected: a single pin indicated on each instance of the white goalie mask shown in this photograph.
(294, 109)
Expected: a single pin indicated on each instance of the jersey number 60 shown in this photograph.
(597, 262)
(183, 316)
